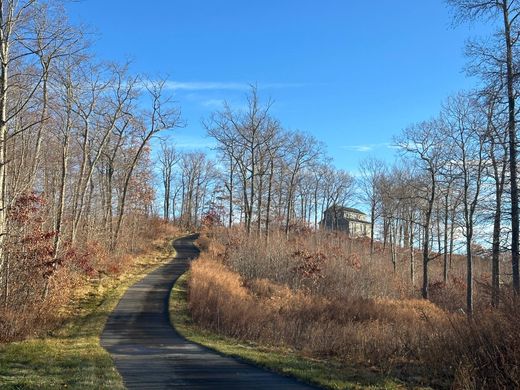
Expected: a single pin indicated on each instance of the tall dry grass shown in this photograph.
(374, 331)
(338, 267)
(325, 297)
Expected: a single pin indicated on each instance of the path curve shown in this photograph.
(150, 354)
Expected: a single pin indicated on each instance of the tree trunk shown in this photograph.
(495, 272)
(412, 255)
(445, 259)
(4, 48)
(426, 241)
(511, 129)
(269, 192)
(230, 188)
(58, 236)
(469, 275)
(372, 224)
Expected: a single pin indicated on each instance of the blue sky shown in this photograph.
(351, 73)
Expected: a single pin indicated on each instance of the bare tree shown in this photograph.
(167, 159)
(53, 39)
(371, 170)
(245, 137)
(302, 150)
(104, 114)
(497, 153)
(161, 116)
(423, 144)
(13, 16)
(465, 128)
(491, 62)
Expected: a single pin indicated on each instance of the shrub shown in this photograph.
(325, 296)
(39, 284)
(360, 330)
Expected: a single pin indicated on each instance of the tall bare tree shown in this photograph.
(492, 60)
(371, 170)
(161, 116)
(422, 142)
(464, 125)
(167, 159)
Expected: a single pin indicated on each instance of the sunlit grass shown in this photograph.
(325, 373)
(71, 357)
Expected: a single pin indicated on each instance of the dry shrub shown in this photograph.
(16, 324)
(326, 296)
(31, 317)
(339, 267)
(212, 288)
(203, 243)
(451, 295)
(325, 264)
(485, 350)
(139, 232)
(40, 287)
(361, 330)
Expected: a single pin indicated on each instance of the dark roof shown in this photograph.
(343, 208)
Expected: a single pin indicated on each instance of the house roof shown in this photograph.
(343, 208)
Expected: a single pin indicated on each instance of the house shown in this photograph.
(346, 219)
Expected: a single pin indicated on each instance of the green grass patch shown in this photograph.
(71, 356)
(324, 373)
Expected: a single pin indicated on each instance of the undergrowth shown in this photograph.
(328, 300)
(70, 356)
(326, 373)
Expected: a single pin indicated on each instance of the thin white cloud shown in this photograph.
(283, 85)
(223, 86)
(367, 147)
(360, 148)
(213, 103)
(192, 142)
(204, 86)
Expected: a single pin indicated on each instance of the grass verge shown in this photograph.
(324, 373)
(71, 356)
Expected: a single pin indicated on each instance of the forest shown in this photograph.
(90, 173)
(75, 171)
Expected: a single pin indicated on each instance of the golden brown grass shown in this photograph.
(329, 300)
(324, 372)
(373, 332)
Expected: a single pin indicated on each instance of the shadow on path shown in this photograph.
(150, 354)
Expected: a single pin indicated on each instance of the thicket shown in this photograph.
(76, 180)
(30, 311)
(324, 296)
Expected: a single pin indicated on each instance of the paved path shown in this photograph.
(150, 354)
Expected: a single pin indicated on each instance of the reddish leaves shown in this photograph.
(211, 219)
(28, 240)
(311, 264)
(26, 207)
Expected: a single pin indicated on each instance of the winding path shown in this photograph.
(150, 354)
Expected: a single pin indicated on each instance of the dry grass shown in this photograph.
(373, 332)
(326, 373)
(325, 298)
(484, 352)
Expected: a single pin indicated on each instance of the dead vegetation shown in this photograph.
(323, 296)
(28, 313)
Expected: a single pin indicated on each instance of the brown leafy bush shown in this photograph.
(203, 243)
(485, 350)
(37, 283)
